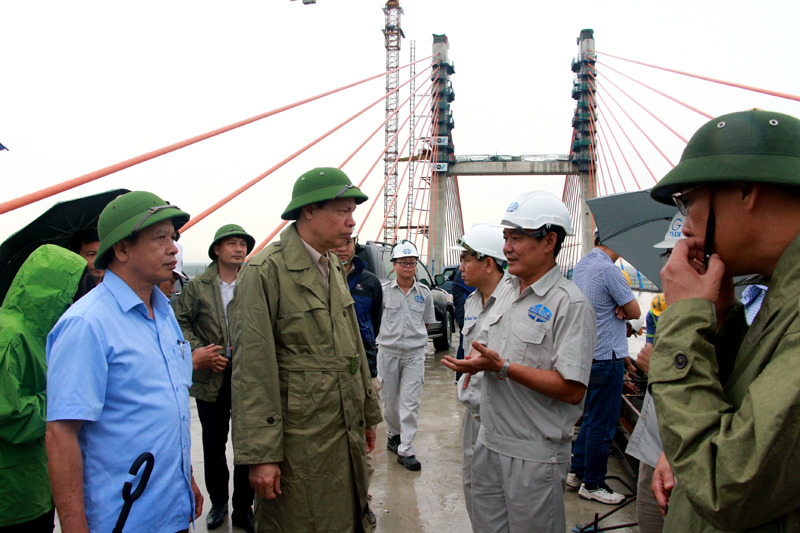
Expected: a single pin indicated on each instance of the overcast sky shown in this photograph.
(88, 84)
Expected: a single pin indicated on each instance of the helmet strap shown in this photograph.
(711, 227)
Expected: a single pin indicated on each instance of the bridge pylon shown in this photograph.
(584, 144)
(442, 150)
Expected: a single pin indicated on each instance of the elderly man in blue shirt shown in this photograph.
(602, 282)
(118, 382)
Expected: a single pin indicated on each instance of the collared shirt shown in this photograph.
(602, 282)
(551, 326)
(752, 298)
(403, 330)
(320, 260)
(227, 293)
(127, 377)
(474, 314)
(645, 442)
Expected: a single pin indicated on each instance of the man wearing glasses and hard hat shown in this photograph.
(728, 394)
(407, 310)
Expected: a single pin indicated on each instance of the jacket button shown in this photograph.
(344, 313)
(360, 422)
(270, 420)
(348, 428)
(680, 361)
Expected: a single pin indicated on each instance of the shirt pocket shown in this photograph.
(182, 355)
(392, 311)
(417, 310)
(528, 346)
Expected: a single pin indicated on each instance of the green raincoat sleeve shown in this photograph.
(729, 432)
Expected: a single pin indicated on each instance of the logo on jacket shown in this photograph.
(513, 207)
(419, 299)
(540, 313)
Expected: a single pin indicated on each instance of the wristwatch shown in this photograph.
(503, 373)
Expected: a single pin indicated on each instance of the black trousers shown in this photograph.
(215, 418)
(43, 524)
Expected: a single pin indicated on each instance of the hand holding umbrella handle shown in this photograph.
(129, 497)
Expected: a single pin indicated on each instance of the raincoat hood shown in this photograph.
(43, 289)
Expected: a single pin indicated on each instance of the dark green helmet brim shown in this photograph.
(753, 146)
(321, 185)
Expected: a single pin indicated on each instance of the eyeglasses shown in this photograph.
(406, 264)
(470, 250)
(681, 203)
(150, 212)
(344, 190)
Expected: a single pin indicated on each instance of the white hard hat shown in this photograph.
(532, 210)
(179, 266)
(404, 248)
(482, 240)
(674, 233)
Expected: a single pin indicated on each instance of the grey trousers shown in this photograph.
(515, 496)
(469, 428)
(647, 511)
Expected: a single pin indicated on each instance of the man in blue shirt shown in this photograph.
(603, 284)
(118, 382)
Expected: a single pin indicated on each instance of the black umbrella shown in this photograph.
(54, 226)
(631, 223)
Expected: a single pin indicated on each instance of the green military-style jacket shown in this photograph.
(201, 316)
(728, 405)
(302, 395)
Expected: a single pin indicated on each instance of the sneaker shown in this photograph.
(601, 493)
(409, 462)
(574, 481)
(393, 443)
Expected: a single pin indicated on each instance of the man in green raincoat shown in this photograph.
(728, 395)
(46, 284)
(303, 405)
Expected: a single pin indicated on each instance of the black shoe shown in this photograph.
(373, 520)
(216, 516)
(244, 520)
(393, 443)
(409, 462)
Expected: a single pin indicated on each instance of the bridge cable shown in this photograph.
(638, 186)
(645, 110)
(97, 174)
(399, 185)
(641, 130)
(381, 155)
(665, 95)
(283, 224)
(602, 131)
(416, 167)
(706, 78)
(275, 167)
(625, 133)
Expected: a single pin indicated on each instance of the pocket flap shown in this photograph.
(531, 333)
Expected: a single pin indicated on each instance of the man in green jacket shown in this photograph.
(727, 395)
(46, 284)
(303, 403)
(202, 313)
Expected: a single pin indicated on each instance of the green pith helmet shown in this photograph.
(754, 146)
(319, 185)
(128, 213)
(231, 230)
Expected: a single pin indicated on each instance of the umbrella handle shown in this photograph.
(129, 497)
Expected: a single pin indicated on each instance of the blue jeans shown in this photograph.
(603, 402)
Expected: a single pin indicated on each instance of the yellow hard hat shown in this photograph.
(659, 304)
